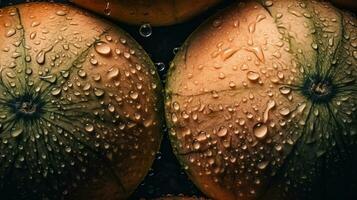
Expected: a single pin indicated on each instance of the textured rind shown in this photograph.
(102, 115)
(214, 107)
(154, 12)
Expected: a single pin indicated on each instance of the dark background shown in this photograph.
(166, 175)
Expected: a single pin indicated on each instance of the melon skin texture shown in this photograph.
(80, 106)
(153, 12)
(261, 102)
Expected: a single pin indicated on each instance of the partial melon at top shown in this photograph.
(154, 12)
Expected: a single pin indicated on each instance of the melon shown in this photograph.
(80, 106)
(261, 102)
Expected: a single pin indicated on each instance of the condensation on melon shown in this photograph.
(80, 106)
(261, 102)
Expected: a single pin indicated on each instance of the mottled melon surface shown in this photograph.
(80, 106)
(261, 102)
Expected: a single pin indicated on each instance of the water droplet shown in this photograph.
(16, 132)
(10, 32)
(232, 84)
(174, 118)
(103, 48)
(111, 108)
(270, 105)
(96, 77)
(217, 23)
(196, 145)
(263, 165)
(134, 95)
(284, 111)
(260, 130)
(33, 35)
(113, 73)
(40, 58)
(98, 92)
(68, 149)
(221, 75)
(160, 66)
(201, 137)
(278, 147)
(222, 132)
(176, 106)
(251, 27)
(285, 90)
(89, 128)
(61, 13)
(258, 52)
(145, 30)
(35, 23)
(314, 46)
(253, 76)
(65, 74)
(268, 3)
(93, 61)
(56, 91)
(49, 78)
(227, 53)
(107, 9)
(175, 50)
(81, 73)
(260, 18)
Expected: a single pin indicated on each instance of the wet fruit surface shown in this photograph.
(79, 106)
(261, 102)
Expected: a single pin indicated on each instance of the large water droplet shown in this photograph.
(285, 90)
(260, 130)
(40, 58)
(145, 30)
(89, 128)
(270, 105)
(56, 91)
(134, 95)
(284, 111)
(61, 13)
(160, 66)
(98, 92)
(102, 48)
(253, 76)
(113, 73)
